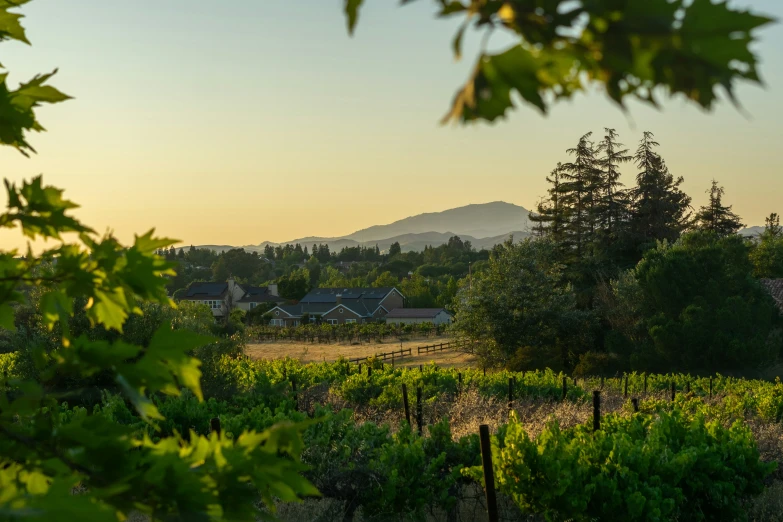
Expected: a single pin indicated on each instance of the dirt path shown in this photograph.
(307, 352)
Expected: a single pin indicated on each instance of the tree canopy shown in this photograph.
(633, 49)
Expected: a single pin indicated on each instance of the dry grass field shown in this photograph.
(313, 352)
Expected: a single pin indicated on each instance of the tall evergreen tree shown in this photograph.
(580, 190)
(659, 209)
(772, 226)
(715, 216)
(552, 215)
(613, 202)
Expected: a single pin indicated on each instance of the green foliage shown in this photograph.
(716, 217)
(635, 50)
(89, 292)
(634, 468)
(767, 254)
(698, 293)
(520, 311)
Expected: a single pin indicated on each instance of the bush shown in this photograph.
(637, 468)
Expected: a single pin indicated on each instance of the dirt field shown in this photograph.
(307, 352)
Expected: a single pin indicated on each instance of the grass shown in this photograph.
(313, 352)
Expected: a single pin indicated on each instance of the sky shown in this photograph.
(251, 120)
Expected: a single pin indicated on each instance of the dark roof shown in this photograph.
(775, 288)
(258, 294)
(329, 295)
(414, 313)
(206, 290)
(357, 306)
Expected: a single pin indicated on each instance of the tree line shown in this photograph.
(623, 279)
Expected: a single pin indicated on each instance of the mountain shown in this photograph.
(482, 220)
(484, 225)
(751, 231)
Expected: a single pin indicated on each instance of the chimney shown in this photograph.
(339, 298)
(273, 290)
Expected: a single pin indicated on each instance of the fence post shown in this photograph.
(369, 370)
(459, 389)
(296, 396)
(441, 347)
(674, 390)
(710, 386)
(510, 393)
(635, 403)
(421, 369)
(565, 387)
(214, 425)
(405, 403)
(485, 371)
(392, 359)
(419, 419)
(625, 393)
(489, 476)
(688, 387)
(596, 410)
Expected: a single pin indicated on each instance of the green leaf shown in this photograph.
(7, 317)
(352, 13)
(17, 110)
(10, 27)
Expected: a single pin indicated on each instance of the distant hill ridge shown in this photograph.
(484, 225)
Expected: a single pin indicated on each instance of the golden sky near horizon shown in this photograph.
(246, 124)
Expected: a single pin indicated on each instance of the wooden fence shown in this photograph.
(451, 345)
(408, 352)
(396, 354)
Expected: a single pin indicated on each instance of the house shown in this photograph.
(775, 288)
(222, 297)
(339, 306)
(419, 315)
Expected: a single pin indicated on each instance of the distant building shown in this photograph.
(339, 306)
(419, 315)
(222, 297)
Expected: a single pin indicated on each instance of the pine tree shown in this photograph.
(579, 190)
(613, 201)
(716, 217)
(552, 215)
(772, 226)
(659, 209)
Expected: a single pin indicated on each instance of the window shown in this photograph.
(331, 321)
(252, 305)
(277, 322)
(215, 305)
(277, 313)
(313, 319)
(350, 321)
(340, 310)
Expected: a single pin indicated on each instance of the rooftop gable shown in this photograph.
(415, 313)
(206, 289)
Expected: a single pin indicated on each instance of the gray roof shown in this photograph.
(775, 288)
(205, 290)
(358, 306)
(329, 295)
(415, 313)
(258, 294)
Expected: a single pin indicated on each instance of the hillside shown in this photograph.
(484, 225)
(478, 221)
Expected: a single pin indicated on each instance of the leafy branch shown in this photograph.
(633, 49)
